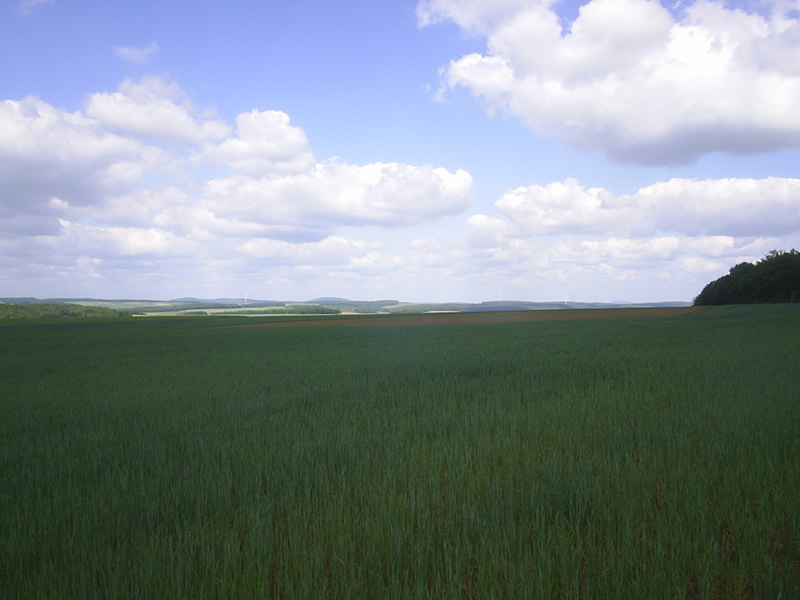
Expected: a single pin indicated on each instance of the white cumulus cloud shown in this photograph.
(139, 188)
(731, 206)
(333, 194)
(332, 250)
(630, 78)
(672, 235)
(87, 201)
(735, 206)
(48, 154)
(478, 16)
(153, 109)
(266, 145)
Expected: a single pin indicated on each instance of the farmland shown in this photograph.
(647, 457)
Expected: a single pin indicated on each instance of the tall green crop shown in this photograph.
(639, 458)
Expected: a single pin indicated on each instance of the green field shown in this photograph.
(655, 457)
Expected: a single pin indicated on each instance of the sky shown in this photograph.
(424, 151)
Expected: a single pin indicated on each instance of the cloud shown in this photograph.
(333, 194)
(475, 16)
(672, 235)
(89, 206)
(631, 79)
(563, 207)
(279, 190)
(135, 54)
(153, 109)
(330, 251)
(97, 166)
(51, 159)
(266, 145)
(733, 206)
(738, 207)
(597, 267)
(102, 242)
(141, 187)
(26, 6)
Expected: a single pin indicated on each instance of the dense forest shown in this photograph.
(37, 311)
(774, 278)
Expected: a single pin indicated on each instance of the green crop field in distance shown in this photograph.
(617, 458)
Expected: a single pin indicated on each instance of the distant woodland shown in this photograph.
(774, 278)
(48, 311)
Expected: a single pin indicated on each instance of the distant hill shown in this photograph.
(323, 305)
(510, 305)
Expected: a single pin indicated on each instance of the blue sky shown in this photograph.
(425, 151)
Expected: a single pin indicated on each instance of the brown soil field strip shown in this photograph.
(472, 318)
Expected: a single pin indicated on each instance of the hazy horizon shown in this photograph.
(412, 149)
(323, 299)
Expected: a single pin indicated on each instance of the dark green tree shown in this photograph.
(774, 278)
(54, 311)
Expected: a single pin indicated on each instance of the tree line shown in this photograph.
(774, 278)
(50, 311)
